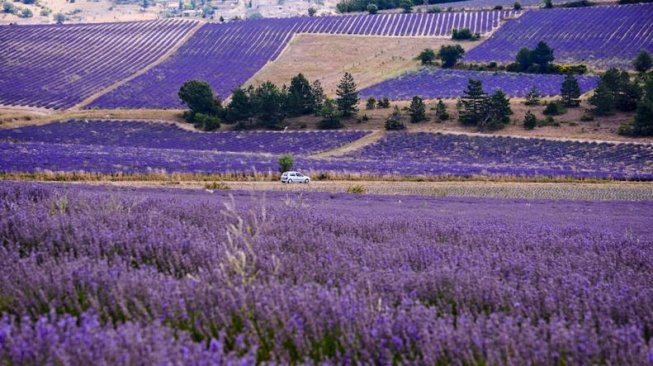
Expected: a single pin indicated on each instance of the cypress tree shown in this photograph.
(347, 96)
(570, 91)
(417, 110)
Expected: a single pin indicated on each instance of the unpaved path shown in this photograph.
(353, 146)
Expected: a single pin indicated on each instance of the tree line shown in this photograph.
(267, 105)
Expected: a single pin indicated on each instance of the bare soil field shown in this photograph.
(327, 57)
(84, 11)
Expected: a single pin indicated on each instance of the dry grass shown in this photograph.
(327, 57)
(12, 118)
(625, 191)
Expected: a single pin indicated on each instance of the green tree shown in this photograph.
(383, 103)
(8, 8)
(497, 112)
(450, 55)
(474, 102)
(206, 122)
(570, 91)
(524, 59)
(330, 115)
(643, 122)
(516, 6)
(240, 108)
(347, 96)
(406, 5)
(603, 100)
(318, 95)
(372, 9)
(542, 55)
(312, 11)
(530, 121)
(269, 102)
(441, 111)
(26, 13)
(371, 103)
(286, 163)
(548, 4)
(427, 56)
(417, 110)
(300, 96)
(643, 62)
(198, 97)
(393, 122)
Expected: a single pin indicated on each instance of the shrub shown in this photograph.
(533, 97)
(441, 111)
(498, 7)
(372, 9)
(554, 109)
(383, 103)
(330, 116)
(286, 163)
(464, 34)
(393, 122)
(26, 13)
(516, 6)
(357, 189)
(586, 118)
(549, 121)
(434, 10)
(450, 55)
(9, 8)
(427, 56)
(206, 122)
(371, 103)
(217, 186)
(530, 121)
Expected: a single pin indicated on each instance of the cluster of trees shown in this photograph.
(464, 34)
(448, 55)
(416, 112)
(537, 60)
(267, 105)
(346, 6)
(485, 111)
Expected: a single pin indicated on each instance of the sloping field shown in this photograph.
(147, 147)
(326, 57)
(58, 66)
(602, 36)
(447, 83)
(227, 55)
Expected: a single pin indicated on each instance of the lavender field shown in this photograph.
(446, 83)
(52, 66)
(227, 55)
(602, 36)
(147, 148)
(95, 275)
(161, 135)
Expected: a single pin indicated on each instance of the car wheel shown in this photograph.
(306, 181)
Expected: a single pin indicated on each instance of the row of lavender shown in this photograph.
(448, 83)
(602, 36)
(226, 56)
(149, 276)
(58, 66)
(129, 149)
(167, 135)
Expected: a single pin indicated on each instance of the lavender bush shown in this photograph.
(602, 36)
(55, 66)
(168, 136)
(446, 83)
(150, 276)
(227, 55)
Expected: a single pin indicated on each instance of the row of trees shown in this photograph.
(267, 105)
(448, 55)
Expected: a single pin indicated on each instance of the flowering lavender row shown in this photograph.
(602, 36)
(448, 157)
(490, 4)
(227, 55)
(629, 160)
(56, 66)
(95, 275)
(447, 83)
(169, 136)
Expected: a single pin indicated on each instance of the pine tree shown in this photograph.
(240, 107)
(318, 95)
(441, 111)
(300, 96)
(530, 121)
(417, 110)
(570, 91)
(269, 102)
(473, 102)
(347, 96)
(602, 100)
(498, 111)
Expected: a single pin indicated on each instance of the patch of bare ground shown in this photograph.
(623, 191)
(360, 143)
(327, 57)
(13, 118)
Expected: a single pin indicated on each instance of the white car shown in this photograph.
(295, 177)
